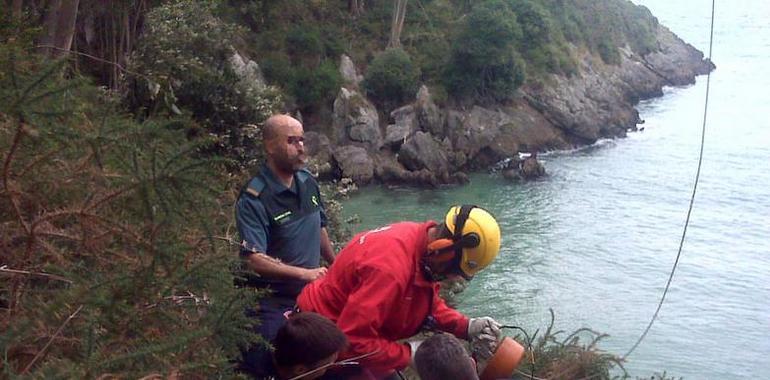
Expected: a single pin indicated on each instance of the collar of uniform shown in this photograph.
(422, 248)
(275, 184)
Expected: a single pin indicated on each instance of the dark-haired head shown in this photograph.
(307, 341)
(442, 356)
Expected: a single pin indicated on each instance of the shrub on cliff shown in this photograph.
(484, 61)
(314, 87)
(392, 78)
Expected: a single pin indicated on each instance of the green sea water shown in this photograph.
(595, 240)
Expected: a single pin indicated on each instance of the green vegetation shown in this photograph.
(182, 62)
(110, 261)
(482, 50)
(485, 62)
(392, 79)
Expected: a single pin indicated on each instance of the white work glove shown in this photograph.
(414, 345)
(484, 334)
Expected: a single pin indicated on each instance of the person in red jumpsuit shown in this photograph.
(383, 286)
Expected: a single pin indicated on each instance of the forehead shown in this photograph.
(293, 128)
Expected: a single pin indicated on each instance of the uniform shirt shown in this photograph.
(376, 293)
(281, 222)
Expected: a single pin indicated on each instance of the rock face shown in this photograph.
(248, 71)
(354, 163)
(319, 149)
(426, 145)
(422, 151)
(350, 76)
(405, 124)
(600, 101)
(357, 120)
(429, 117)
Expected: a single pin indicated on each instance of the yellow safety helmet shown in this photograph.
(478, 236)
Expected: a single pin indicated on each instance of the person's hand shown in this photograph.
(483, 326)
(483, 333)
(483, 347)
(314, 274)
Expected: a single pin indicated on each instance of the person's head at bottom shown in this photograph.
(441, 357)
(306, 345)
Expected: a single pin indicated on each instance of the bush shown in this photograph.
(608, 52)
(484, 62)
(277, 68)
(305, 41)
(536, 24)
(392, 78)
(315, 87)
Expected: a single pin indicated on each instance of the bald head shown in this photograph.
(276, 126)
(283, 140)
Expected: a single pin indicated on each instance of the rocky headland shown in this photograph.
(423, 144)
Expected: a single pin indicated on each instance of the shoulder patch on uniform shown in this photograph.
(255, 186)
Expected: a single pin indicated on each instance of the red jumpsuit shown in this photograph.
(376, 293)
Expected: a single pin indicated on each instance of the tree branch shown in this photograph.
(40, 353)
(5, 269)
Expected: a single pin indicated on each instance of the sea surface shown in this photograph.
(596, 239)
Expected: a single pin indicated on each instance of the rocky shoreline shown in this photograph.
(422, 144)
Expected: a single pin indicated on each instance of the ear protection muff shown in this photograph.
(441, 250)
(440, 245)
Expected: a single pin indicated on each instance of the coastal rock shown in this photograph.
(388, 170)
(523, 169)
(356, 120)
(318, 145)
(319, 149)
(354, 163)
(599, 102)
(248, 72)
(473, 132)
(481, 137)
(677, 62)
(422, 151)
(532, 168)
(350, 77)
(429, 116)
(405, 120)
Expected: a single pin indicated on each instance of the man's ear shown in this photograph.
(269, 145)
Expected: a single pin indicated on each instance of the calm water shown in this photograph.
(595, 240)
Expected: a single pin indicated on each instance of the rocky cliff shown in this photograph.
(422, 144)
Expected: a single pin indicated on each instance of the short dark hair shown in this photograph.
(306, 339)
(443, 231)
(442, 356)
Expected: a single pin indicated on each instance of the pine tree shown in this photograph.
(110, 263)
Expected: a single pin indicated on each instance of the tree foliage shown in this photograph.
(392, 78)
(484, 61)
(110, 261)
(183, 61)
